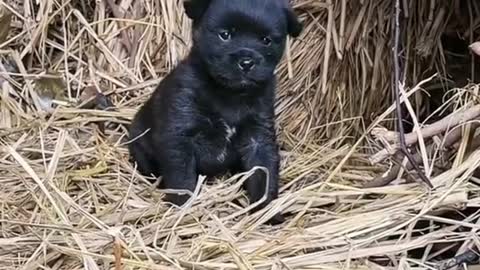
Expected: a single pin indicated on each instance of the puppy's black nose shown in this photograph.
(246, 64)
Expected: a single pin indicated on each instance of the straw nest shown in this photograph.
(69, 198)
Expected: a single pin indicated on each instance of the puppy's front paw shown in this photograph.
(178, 200)
(275, 220)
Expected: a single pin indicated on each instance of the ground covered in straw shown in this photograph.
(73, 74)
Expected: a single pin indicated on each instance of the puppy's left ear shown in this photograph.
(195, 8)
(294, 26)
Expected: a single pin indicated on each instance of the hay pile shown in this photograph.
(69, 198)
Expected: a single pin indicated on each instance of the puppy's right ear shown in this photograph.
(294, 26)
(195, 8)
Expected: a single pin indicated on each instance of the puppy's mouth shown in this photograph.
(242, 82)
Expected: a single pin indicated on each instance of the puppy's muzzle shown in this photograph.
(246, 59)
(246, 64)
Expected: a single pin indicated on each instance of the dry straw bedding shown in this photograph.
(69, 198)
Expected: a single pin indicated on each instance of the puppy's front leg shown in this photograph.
(179, 171)
(260, 149)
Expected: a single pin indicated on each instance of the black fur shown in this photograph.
(214, 112)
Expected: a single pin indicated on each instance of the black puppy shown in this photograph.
(215, 111)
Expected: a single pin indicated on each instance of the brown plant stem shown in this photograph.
(403, 145)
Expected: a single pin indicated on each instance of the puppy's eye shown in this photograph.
(225, 35)
(267, 41)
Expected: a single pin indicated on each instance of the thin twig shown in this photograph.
(403, 145)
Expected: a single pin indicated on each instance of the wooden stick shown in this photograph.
(450, 141)
(452, 120)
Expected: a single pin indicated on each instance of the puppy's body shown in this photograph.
(215, 112)
(187, 106)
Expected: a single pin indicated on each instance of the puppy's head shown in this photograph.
(241, 41)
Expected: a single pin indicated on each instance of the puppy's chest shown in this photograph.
(227, 122)
(221, 131)
(215, 146)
